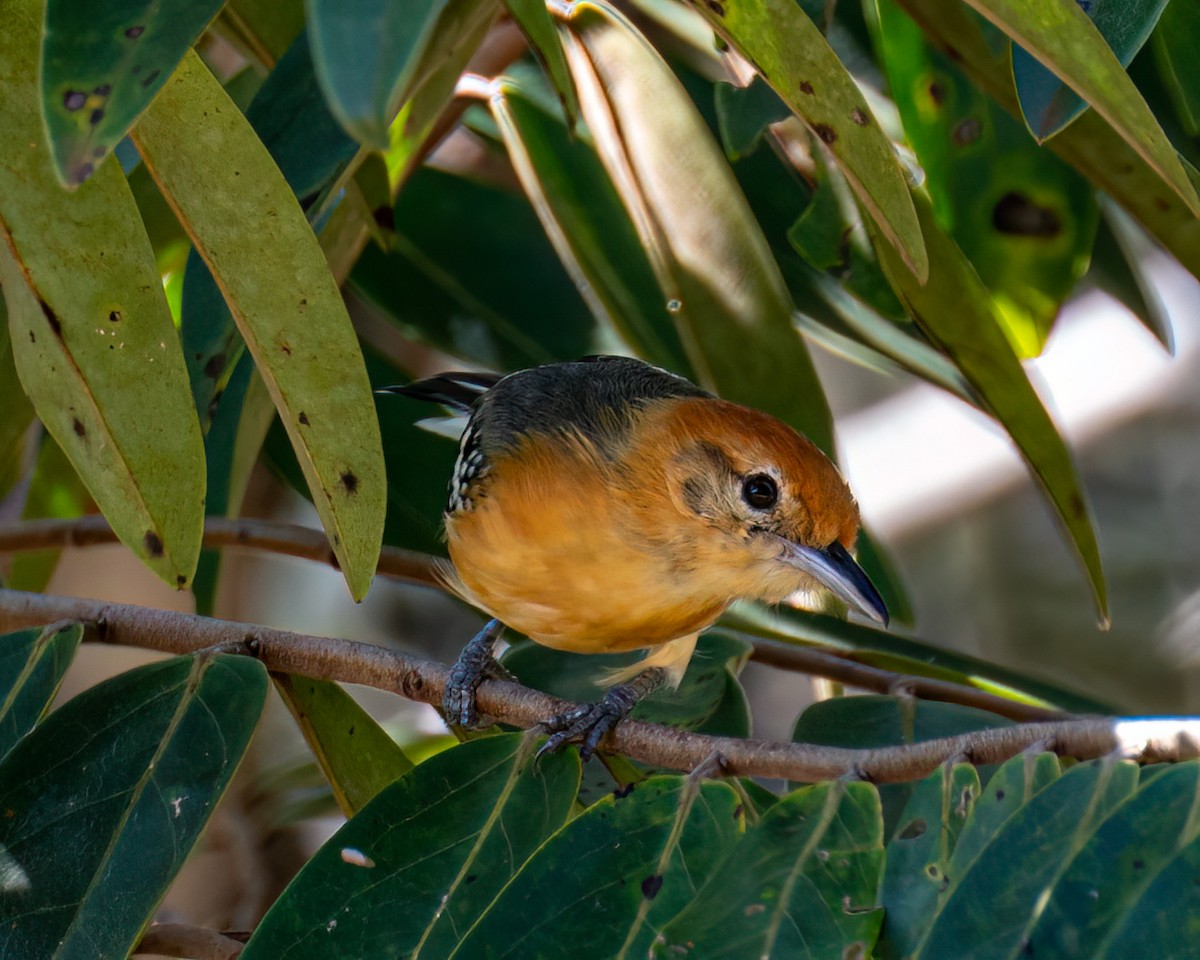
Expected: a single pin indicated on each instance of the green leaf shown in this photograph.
(534, 19)
(16, 412)
(230, 195)
(357, 756)
(634, 861)
(1118, 268)
(466, 290)
(801, 883)
(439, 843)
(953, 310)
(1061, 37)
(1024, 219)
(32, 665)
(104, 800)
(714, 266)
(92, 337)
(743, 113)
(582, 214)
(918, 854)
(792, 55)
(996, 898)
(1047, 103)
(102, 64)
(366, 53)
(1118, 897)
(704, 692)
(1175, 43)
(264, 29)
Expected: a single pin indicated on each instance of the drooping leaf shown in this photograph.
(304, 348)
(106, 797)
(92, 337)
(790, 53)
(357, 756)
(33, 663)
(1049, 104)
(591, 230)
(1062, 38)
(102, 64)
(441, 841)
(1024, 219)
(1118, 268)
(635, 861)
(714, 267)
(802, 882)
(535, 21)
(953, 310)
(1174, 43)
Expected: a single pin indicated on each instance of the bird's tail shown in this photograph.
(459, 391)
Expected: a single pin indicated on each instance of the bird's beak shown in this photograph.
(838, 572)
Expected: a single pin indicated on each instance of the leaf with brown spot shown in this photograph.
(145, 473)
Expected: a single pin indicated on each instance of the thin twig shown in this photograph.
(188, 943)
(297, 541)
(423, 680)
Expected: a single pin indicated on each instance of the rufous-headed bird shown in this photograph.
(604, 505)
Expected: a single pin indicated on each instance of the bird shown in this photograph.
(604, 504)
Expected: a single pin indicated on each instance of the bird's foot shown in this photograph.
(589, 723)
(474, 665)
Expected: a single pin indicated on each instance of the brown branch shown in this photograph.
(285, 538)
(307, 543)
(188, 943)
(423, 680)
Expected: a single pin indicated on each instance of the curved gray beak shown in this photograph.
(838, 572)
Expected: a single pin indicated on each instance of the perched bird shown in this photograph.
(604, 505)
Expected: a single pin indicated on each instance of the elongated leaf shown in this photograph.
(1061, 37)
(358, 758)
(918, 854)
(1115, 898)
(1047, 103)
(791, 54)
(102, 64)
(16, 412)
(1024, 219)
(534, 19)
(801, 883)
(55, 490)
(105, 799)
(995, 900)
(366, 53)
(953, 310)
(714, 267)
(1090, 144)
(1118, 268)
(635, 861)
(1175, 43)
(264, 29)
(32, 665)
(304, 346)
(92, 336)
(592, 232)
(441, 841)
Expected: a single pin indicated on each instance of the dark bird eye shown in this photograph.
(760, 491)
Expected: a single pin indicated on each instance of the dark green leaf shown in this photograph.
(263, 28)
(743, 113)
(32, 665)
(535, 21)
(1175, 43)
(802, 882)
(1049, 104)
(357, 756)
(1118, 268)
(995, 898)
(606, 883)
(102, 64)
(463, 288)
(104, 800)
(409, 874)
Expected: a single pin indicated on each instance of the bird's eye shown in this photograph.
(760, 491)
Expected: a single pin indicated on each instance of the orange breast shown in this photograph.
(555, 551)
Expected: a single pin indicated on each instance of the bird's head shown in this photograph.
(766, 513)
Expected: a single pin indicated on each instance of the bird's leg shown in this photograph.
(475, 664)
(588, 724)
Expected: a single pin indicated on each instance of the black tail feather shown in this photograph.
(457, 390)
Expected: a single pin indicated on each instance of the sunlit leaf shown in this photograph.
(238, 210)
